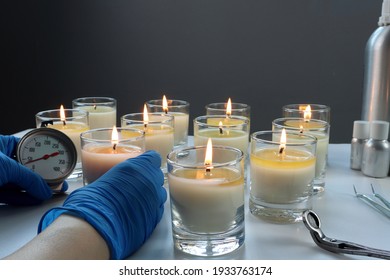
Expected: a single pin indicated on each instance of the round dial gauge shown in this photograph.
(48, 152)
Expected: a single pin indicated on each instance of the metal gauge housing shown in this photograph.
(48, 152)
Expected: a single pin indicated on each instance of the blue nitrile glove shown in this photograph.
(124, 205)
(18, 184)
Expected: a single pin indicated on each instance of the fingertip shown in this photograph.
(153, 157)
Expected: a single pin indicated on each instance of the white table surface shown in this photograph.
(343, 216)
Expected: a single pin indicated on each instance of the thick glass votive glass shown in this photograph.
(159, 132)
(230, 131)
(72, 123)
(99, 152)
(317, 128)
(317, 111)
(207, 204)
(180, 110)
(281, 176)
(102, 110)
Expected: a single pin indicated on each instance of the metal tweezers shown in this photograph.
(313, 224)
(383, 208)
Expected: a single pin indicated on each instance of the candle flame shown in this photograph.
(165, 104)
(209, 155)
(62, 114)
(146, 116)
(229, 108)
(307, 113)
(114, 137)
(283, 141)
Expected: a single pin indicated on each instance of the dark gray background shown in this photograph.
(266, 53)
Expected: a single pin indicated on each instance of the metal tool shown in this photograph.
(370, 201)
(313, 224)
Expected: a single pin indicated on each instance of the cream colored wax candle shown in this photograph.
(207, 202)
(232, 131)
(97, 159)
(233, 138)
(100, 116)
(281, 178)
(158, 137)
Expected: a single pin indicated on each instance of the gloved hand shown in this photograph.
(124, 205)
(18, 184)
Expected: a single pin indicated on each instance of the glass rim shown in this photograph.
(135, 138)
(317, 107)
(325, 124)
(103, 100)
(158, 103)
(238, 159)
(81, 114)
(313, 139)
(205, 117)
(243, 106)
(168, 118)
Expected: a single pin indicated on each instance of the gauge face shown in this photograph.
(48, 152)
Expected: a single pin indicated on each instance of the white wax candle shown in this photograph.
(73, 131)
(97, 159)
(100, 116)
(281, 179)
(180, 121)
(207, 202)
(234, 138)
(159, 138)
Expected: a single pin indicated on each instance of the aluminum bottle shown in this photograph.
(376, 86)
(376, 151)
(360, 135)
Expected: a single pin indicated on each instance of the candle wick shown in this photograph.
(208, 168)
(64, 123)
(114, 147)
(228, 115)
(94, 107)
(145, 126)
(166, 111)
(220, 131)
(281, 150)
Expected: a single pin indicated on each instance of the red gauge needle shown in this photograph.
(44, 157)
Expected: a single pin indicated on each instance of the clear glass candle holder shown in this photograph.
(237, 109)
(102, 110)
(72, 123)
(102, 148)
(317, 111)
(318, 129)
(159, 132)
(230, 131)
(281, 177)
(207, 204)
(180, 110)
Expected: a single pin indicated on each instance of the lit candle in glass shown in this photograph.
(282, 172)
(179, 109)
(232, 131)
(102, 110)
(314, 127)
(103, 148)
(72, 122)
(206, 185)
(158, 128)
